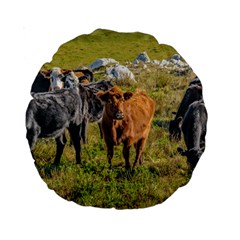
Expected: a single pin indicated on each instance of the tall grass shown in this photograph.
(93, 183)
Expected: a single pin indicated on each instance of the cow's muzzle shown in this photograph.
(119, 115)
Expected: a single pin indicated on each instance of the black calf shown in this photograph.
(194, 127)
(193, 93)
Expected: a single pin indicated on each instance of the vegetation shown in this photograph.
(85, 49)
(163, 170)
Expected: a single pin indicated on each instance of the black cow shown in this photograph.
(50, 114)
(193, 93)
(194, 127)
(41, 83)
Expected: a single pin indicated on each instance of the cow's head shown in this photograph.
(71, 80)
(193, 155)
(113, 100)
(175, 127)
(56, 79)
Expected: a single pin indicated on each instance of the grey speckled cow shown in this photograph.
(50, 114)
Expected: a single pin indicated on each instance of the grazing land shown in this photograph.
(163, 171)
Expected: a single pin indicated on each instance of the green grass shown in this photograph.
(93, 183)
(84, 49)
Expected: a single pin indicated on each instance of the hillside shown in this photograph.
(86, 48)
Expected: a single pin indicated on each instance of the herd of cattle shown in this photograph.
(70, 99)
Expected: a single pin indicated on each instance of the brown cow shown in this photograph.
(126, 119)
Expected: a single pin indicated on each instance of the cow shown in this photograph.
(41, 82)
(50, 114)
(194, 127)
(48, 80)
(126, 119)
(193, 93)
(93, 107)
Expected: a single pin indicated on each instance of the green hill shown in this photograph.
(86, 48)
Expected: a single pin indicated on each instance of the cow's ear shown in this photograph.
(179, 121)
(103, 96)
(127, 95)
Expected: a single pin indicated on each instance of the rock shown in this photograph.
(119, 72)
(174, 64)
(182, 64)
(176, 57)
(174, 61)
(102, 62)
(156, 62)
(144, 66)
(164, 63)
(135, 62)
(142, 57)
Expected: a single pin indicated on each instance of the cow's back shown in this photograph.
(53, 111)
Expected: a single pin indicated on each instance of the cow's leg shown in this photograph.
(126, 150)
(84, 130)
(75, 136)
(139, 146)
(60, 142)
(110, 152)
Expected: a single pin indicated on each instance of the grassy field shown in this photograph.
(163, 170)
(85, 49)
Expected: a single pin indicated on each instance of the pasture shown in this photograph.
(163, 171)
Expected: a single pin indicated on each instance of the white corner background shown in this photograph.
(206, 34)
